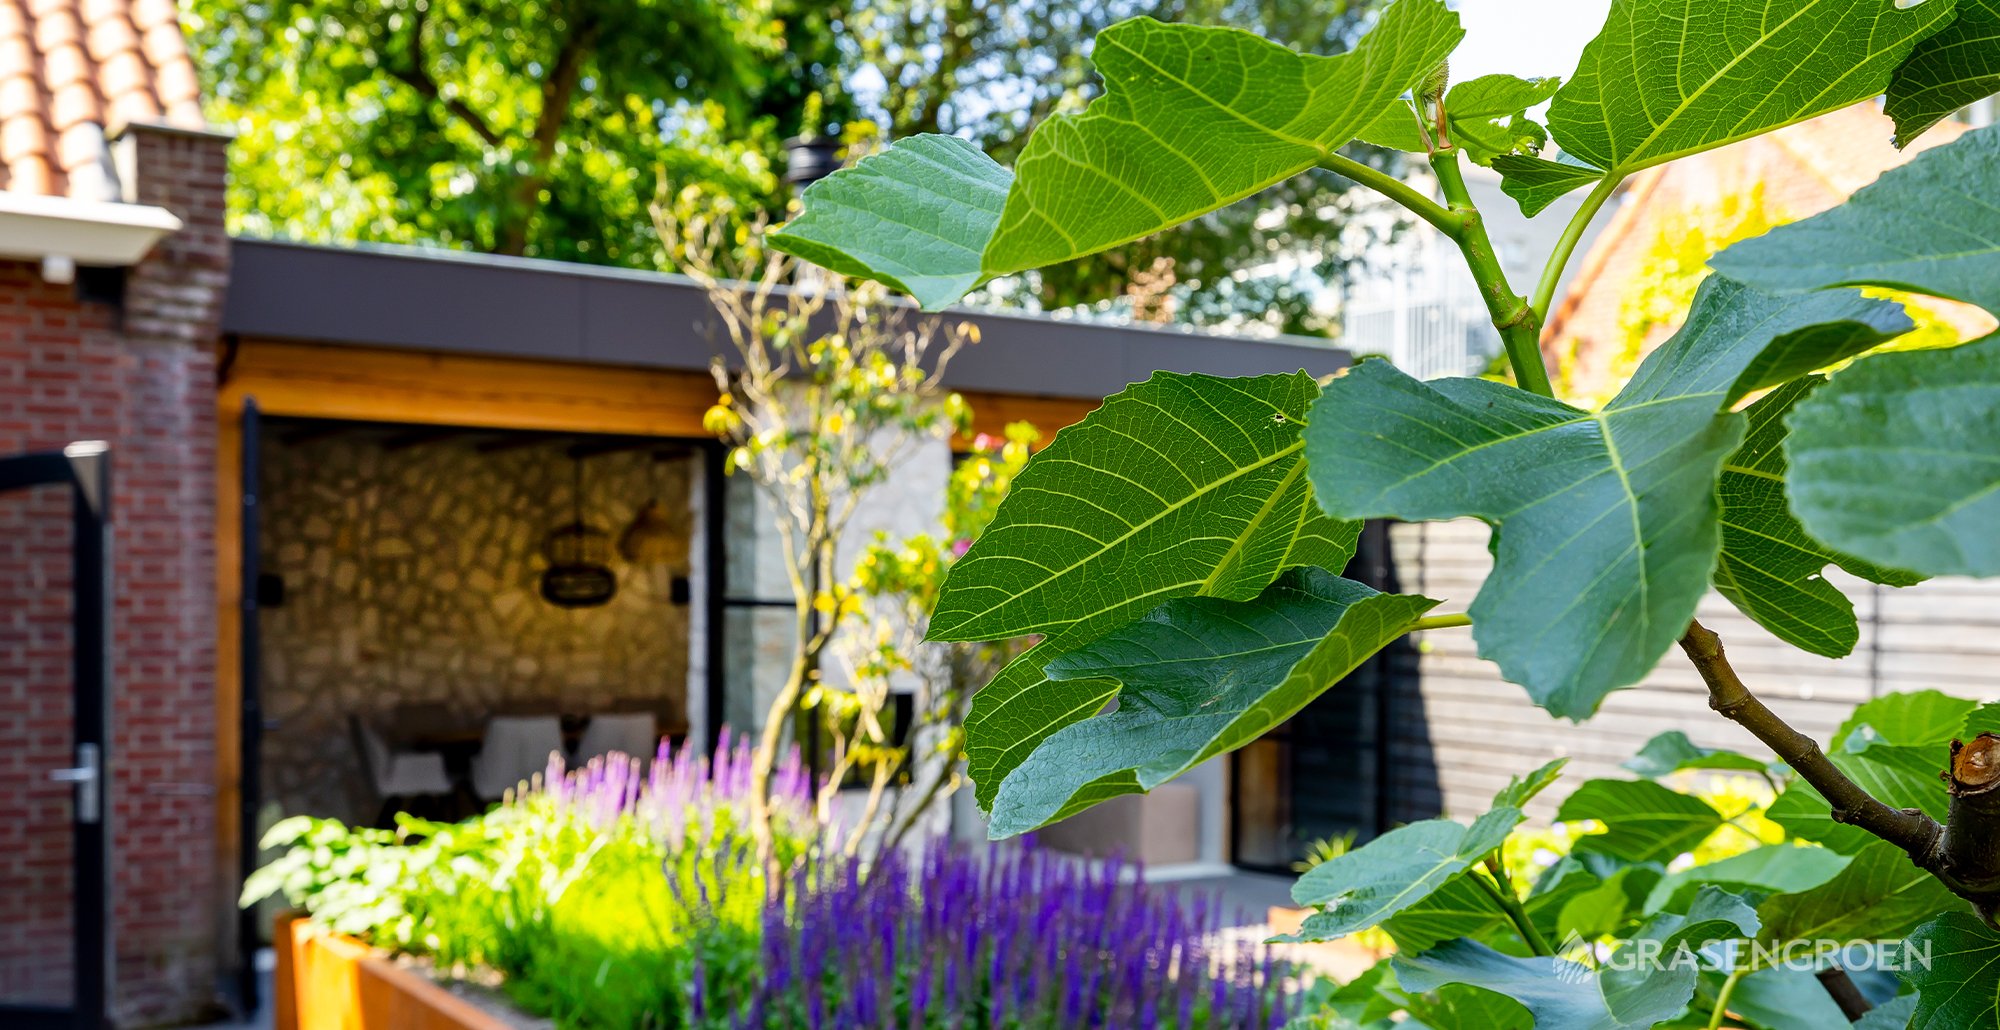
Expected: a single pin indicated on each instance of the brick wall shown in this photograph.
(143, 378)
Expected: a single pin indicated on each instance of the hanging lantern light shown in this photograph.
(578, 554)
(651, 538)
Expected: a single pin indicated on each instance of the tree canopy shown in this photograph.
(539, 127)
(543, 128)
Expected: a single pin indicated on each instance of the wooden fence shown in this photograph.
(1458, 730)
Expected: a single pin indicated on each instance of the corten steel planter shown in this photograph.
(325, 981)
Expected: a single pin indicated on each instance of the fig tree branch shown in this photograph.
(1913, 831)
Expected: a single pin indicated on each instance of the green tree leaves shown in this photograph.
(1927, 226)
(1179, 486)
(1195, 118)
(1198, 677)
(1395, 871)
(1182, 484)
(1643, 821)
(1671, 752)
(1562, 993)
(1666, 78)
(1770, 568)
(1881, 895)
(1192, 119)
(1958, 65)
(912, 217)
(1897, 460)
(1536, 182)
(1485, 118)
(1960, 984)
(1606, 524)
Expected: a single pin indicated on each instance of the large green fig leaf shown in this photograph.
(1667, 78)
(1606, 525)
(1897, 460)
(1671, 752)
(1451, 1007)
(1928, 226)
(1179, 486)
(1363, 887)
(1910, 718)
(1955, 67)
(1958, 985)
(1463, 908)
(1778, 998)
(1897, 1013)
(1644, 822)
(1880, 895)
(1770, 569)
(1565, 994)
(1192, 118)
(1459, 907)
(1536, 182)
(1772, 869)
(1198, 677)
(914, 217)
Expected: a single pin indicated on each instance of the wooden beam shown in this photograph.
(228, 641)
(369, 384)
(991, 412)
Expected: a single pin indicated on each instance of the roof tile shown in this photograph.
(70, 69)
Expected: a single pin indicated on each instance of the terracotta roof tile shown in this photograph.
(70, 69)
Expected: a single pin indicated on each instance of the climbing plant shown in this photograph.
(1176, 551)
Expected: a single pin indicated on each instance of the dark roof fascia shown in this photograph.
(456, 302)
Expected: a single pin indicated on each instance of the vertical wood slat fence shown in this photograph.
(1458, 730)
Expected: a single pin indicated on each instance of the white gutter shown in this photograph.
(63, 232)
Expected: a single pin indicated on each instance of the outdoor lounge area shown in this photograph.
(407, 605)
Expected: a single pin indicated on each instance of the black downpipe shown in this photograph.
(250, 769)
(91, 569)
(715, 585)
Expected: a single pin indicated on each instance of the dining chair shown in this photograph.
(637, 734)
(397, 777)
(514, 748)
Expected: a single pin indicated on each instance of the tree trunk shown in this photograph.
(1972, 833)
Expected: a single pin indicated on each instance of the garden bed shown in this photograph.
(609, 897)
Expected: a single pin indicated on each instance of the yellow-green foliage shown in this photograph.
(1675, 262)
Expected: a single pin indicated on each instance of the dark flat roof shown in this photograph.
(452, 301)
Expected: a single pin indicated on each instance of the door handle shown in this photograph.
(87, 775)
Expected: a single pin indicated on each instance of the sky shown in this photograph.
(1528, 38)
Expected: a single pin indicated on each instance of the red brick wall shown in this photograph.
(144, 379)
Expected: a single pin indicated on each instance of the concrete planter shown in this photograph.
(325, 981)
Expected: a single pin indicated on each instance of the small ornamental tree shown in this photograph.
(896, 584)
(823, 393)
(1172, 549)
